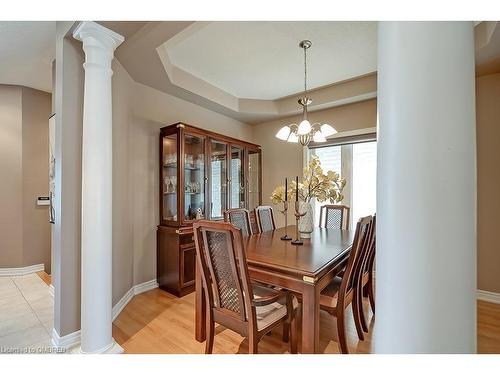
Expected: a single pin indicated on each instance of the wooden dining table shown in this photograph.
(305, 269)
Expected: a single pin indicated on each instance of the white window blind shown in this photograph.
(356, 160)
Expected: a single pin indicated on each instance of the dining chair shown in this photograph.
(232, 301)
(341, 291)
(365, 278)
(265, 218)
(336, 216)
(240, 218)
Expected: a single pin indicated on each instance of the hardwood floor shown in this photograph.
(157, 322)
(488, 327)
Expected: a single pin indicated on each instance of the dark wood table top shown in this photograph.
(326, 246)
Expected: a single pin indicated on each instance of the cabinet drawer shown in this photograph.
(187, 246)
(186, 239)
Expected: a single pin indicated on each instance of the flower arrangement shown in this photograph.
(315, 184)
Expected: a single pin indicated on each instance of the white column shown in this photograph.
(99, 44)
(426, 198)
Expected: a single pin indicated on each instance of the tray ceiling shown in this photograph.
(262, 60)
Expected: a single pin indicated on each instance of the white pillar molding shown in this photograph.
(99, 44)
(426, 188)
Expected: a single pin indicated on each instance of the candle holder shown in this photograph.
(298, 215)
(286, 237)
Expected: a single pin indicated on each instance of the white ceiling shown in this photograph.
(26, 53)
(262, 60)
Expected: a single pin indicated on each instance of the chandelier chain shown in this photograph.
(305, 132)
(305, 71)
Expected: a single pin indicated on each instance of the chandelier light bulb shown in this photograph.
(327, 130)
(293, 138)
(304, 127)
(319, 137)
(283, 133)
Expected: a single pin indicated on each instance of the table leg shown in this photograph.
(310, 319)
(200, 309)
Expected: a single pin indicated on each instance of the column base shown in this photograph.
(113, 348)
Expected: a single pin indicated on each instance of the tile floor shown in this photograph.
(26, 315)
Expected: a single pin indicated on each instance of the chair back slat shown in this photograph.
(253, 222)
(369, 257)
(335, 216)
(360, 245)
(265, 218)
(219, 249)
(240, 218)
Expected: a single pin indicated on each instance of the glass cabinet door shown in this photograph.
(237, 197)
(253, 178)
(194, 177)
(218, 178)
(169, 176)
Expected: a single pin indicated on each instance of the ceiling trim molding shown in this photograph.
(341, 93)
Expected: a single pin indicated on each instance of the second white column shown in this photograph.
(426, 189)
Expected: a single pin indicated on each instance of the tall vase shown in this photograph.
(306, 222)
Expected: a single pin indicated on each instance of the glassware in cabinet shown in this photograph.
(237, 181)
(218, 179)
(169, 177)
(194, 177)
(254, 178)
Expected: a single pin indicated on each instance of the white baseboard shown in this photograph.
(144, 287)
(65, 342)
(120, 305)
(20, 271)
(135, 290)
(73, 339)
(492, 297)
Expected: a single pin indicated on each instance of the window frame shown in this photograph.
(344, 139)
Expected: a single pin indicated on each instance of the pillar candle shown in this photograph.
(296, 188)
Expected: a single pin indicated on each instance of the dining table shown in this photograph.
(304, 269)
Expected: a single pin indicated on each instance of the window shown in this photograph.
(364, 179)
(357, 162)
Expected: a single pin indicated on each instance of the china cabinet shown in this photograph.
(202, 174)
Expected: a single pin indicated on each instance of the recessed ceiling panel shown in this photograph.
(262, 60)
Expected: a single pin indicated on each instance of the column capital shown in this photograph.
(89, 30)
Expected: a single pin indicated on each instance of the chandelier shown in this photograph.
(305, 132)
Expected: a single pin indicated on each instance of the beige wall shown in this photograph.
(123, 216)
(138, 114)
(68, 97)
(36, 226)
(488, 181)
(24, 226)
(280, 159)
(11, 186)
